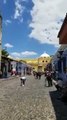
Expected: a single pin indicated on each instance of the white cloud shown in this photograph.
(8, 45)
(47, 17)
(9, 56)
(7, 22)
(19, 8)
(28, 53)
(4, 1)
(23, 54)
(15, 54)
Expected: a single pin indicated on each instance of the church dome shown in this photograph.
(45, 55)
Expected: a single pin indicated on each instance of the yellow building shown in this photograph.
(33, 63)
(39, 64)
(42, 63)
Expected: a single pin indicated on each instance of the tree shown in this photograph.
(5, 53)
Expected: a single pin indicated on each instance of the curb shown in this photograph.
(9, 78)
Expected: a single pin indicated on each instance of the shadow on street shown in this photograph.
(60, 107)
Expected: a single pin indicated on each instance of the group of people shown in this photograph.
(48, 77)
(37, 75)
(60, 85)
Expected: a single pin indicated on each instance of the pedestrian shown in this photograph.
(39, 75)
(49, 78)
(24, 72)
(0, 74)
(58, 84)
(23, 80)
(45, 75)
(36, 75)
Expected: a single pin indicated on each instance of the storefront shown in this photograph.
(60, 63)
(6, 66)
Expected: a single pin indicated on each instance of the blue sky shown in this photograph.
(30, 27)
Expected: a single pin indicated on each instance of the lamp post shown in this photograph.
(0, 39)
(61, 59)
(60, 52)
(38, 65)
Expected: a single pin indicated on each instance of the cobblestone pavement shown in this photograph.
(33, 101)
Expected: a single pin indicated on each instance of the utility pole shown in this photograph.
(38, 65)
(0, 39)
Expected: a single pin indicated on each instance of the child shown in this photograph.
(23, 79)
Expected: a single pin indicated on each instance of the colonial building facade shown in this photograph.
(59, 63)
(62, 35)
(40, 63)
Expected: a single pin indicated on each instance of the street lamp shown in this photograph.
(60, 61)
(0, 38)
(60, 54)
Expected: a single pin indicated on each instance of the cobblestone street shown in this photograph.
(33, 101)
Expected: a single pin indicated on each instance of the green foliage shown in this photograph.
(5, 53)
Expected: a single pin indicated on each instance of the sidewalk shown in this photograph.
(8, 78)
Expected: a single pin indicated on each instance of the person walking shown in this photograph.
(23, 80)
(49, 78)
(45, 75)
(39, 75)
